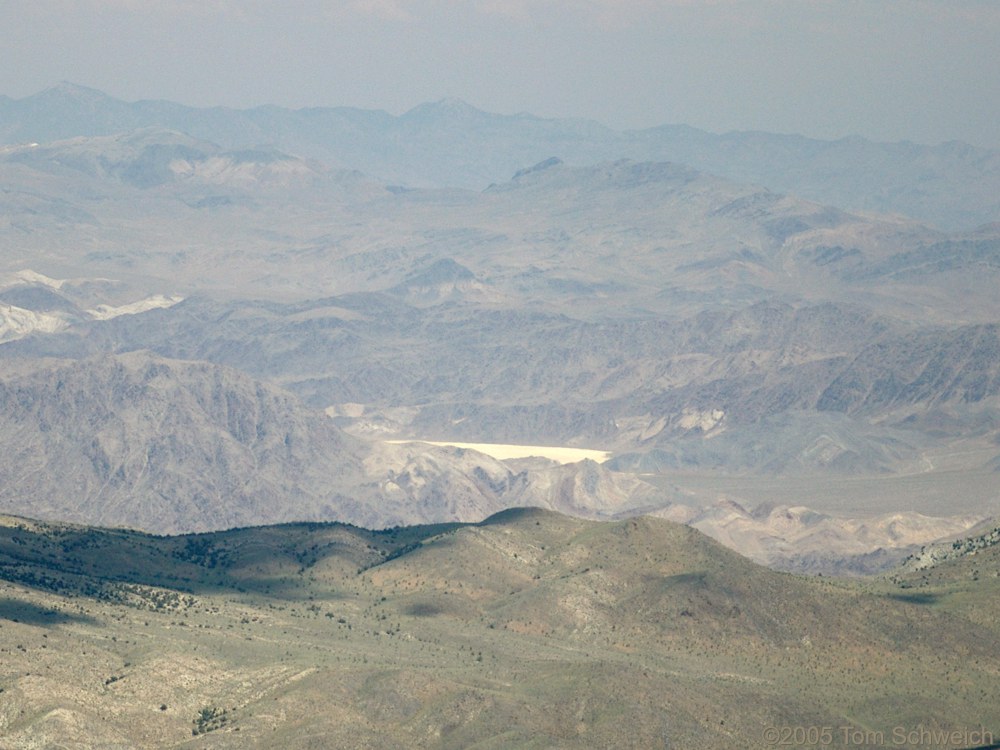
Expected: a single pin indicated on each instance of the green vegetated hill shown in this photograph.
(961, 576)
(530, 629)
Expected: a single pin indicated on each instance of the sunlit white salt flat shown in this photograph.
(502, 451)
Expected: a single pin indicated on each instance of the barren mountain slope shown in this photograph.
(683, 321)
(139, 441)
(771, 387)
(451, 143)
(654, 237)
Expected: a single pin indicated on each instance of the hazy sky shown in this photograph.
(923, 70)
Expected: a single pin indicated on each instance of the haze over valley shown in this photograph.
(334, 354)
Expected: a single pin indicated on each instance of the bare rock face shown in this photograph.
(139, 441)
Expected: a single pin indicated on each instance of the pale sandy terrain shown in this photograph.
(16, 323)
(502, 452)
(157, 301)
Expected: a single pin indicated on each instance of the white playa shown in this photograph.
(502, 452)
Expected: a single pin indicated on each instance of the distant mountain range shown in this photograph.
(688, 323)
(683, 320)
(449, 143)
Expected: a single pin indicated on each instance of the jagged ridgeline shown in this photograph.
(450, 143)
(529, 628)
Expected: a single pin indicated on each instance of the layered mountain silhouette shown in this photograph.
(952, 185)
(175, 261)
